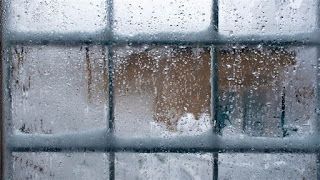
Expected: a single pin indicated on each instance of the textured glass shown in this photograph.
(57, 89)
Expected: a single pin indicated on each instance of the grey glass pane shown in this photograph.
(163, 166)
(59, 16)
(36, 166)
(267, 166)
(57, 89)
(152, 16)
(260, 17)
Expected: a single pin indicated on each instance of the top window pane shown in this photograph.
(236, 17)
(57, 15)
(154, 16)
(265, 17)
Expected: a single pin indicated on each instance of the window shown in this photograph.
(160, 89)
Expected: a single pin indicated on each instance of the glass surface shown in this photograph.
(57, 166)
(58, 16)
(267, 91)
(162, 91)
(236, 17)
(261, 17)
(300, 93)
(163, 166)
(152, 16)
(267, 166)
(57, 89)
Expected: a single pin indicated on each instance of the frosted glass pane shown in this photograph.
(57, 166)
(164, 166)
(57, 16)
(153, 16)
(267, 166)
(57, 89)
(263, 17)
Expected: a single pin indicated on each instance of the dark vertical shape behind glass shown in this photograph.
(283, 112)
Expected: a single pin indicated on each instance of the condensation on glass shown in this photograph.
(56, 90)
(162, 91)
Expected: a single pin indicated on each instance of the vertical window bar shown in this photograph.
(110, 86)
(7, 111)
(318, 89)
(1, 95)
(111, 111)
(6, 108)
(215, 104)
(215, 83)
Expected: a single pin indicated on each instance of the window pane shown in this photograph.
(152, 16)
(162, 91)
(267, 166)
(57, 89)
(300, 88)
(262, 17)
(57, 166)
(163, 166)
(267, 91)
(57, 16)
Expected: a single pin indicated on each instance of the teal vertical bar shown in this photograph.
(216, 120)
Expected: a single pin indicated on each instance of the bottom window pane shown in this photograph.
(267, 166)
(163, 166)
(58, 166)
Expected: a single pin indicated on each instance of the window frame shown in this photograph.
(106, 141)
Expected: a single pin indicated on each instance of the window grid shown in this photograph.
(105, 139)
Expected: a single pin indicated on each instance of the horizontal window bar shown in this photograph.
(192, 39)
(101, 140)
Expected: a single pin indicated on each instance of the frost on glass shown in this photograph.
(57, 166)
(261, 17)
(152, 16)
(267, 166)
(162, 91)
(163, 166)
(57, 16)
(57, 89)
